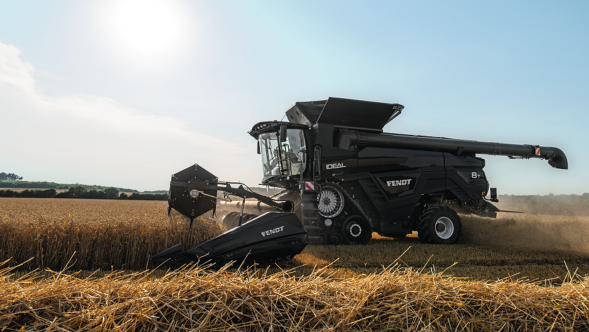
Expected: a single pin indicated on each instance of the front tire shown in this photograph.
(439, 224)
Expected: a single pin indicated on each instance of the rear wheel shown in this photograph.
(439, 224)
(357, 230)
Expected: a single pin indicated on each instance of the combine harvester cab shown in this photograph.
(272, 236)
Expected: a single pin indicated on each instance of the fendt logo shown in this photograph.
(396, 183)
(273, 231)
(334, 166)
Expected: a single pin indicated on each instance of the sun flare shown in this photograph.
(147, 30)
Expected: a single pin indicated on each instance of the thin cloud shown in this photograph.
(17, 75)
(100, 134)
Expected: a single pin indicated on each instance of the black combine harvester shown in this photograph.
(343, 179)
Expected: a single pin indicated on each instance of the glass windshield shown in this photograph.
(288, 158)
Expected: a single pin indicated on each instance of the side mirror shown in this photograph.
(282, 133)
(258, 147)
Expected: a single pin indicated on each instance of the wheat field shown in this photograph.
(121, 235)
(505, 274)
(94, 234)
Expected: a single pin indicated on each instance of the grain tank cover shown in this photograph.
(305, 112)
(346, 113)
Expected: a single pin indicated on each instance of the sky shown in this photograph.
(125, 93)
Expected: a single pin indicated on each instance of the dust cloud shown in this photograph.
(528, 231)
(560, 205)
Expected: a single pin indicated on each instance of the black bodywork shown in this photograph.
(387, 179)
(344, 179)
(271, 237)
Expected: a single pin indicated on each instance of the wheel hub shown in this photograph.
(440, 228)
(355, 230)
(444, 228)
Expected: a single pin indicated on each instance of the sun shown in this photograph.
(146, 31)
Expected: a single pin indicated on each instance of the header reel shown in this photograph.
(192, 202)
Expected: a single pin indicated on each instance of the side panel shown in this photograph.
(395, 179)
(336, 163)
(387, 183)
(388, 159)
(402, 198)
(339, 168)
(465, 177)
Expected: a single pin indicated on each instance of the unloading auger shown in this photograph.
(272, 236)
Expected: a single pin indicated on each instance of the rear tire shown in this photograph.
(357, 230)
(439, 224)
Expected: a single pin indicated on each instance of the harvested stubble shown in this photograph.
(102, 233)
(198, 299)
(473, 261)
(383, 251)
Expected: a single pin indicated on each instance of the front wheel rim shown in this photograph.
(444, 228)
(355, 230)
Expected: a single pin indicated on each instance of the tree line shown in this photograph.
(10, 177)
(83, 192)
(12, 180)
(52, 185)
